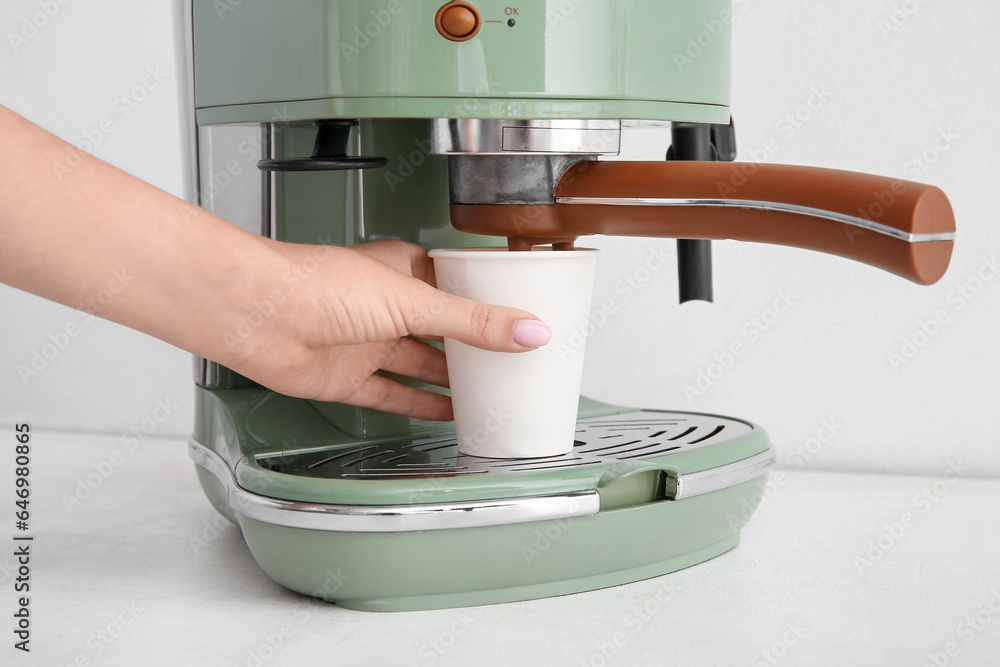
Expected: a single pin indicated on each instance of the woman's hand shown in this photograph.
(337, 315)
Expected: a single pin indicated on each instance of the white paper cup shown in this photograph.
(509, 404)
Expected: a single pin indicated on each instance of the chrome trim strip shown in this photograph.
(716, 479)
(843, 218)
(515, 136)
(193, 188)
(388, 519)
(202, 367)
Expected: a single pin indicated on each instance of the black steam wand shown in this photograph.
(705, 142)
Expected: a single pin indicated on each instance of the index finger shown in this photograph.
(407, 258)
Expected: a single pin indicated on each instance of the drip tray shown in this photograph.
(425, 484)
(599, 441)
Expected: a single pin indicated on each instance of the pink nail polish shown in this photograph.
(531, 333)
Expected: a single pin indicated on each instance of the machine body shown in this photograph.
(462, 124)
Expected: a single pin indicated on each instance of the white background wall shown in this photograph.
(887, 95)
(67, 78)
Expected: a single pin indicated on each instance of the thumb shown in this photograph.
(496, 328)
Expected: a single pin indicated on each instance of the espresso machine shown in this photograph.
(455, 124)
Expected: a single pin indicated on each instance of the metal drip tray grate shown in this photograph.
(599, 440)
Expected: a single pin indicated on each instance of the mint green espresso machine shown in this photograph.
(451, 124)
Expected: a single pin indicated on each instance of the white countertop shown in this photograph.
(146, 563)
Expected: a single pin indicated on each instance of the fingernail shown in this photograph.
(531, 333)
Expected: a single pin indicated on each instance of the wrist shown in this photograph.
(255, 310)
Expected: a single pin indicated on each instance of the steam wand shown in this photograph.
(706, 143)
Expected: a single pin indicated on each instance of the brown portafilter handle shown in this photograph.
(902, 227)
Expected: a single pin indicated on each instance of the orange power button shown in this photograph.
(458, 21)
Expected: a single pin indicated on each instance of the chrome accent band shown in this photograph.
(479, 136)
(192, 191)
(716, 479)
(390, 519)
(843, 218)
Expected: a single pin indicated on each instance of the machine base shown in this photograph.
(409, 524)
(442, 569)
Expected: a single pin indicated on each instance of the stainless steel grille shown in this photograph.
(598, 440)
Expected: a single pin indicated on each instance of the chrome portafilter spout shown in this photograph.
(507, 179)
(539, 182)
(526, 181)
(518, 162)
